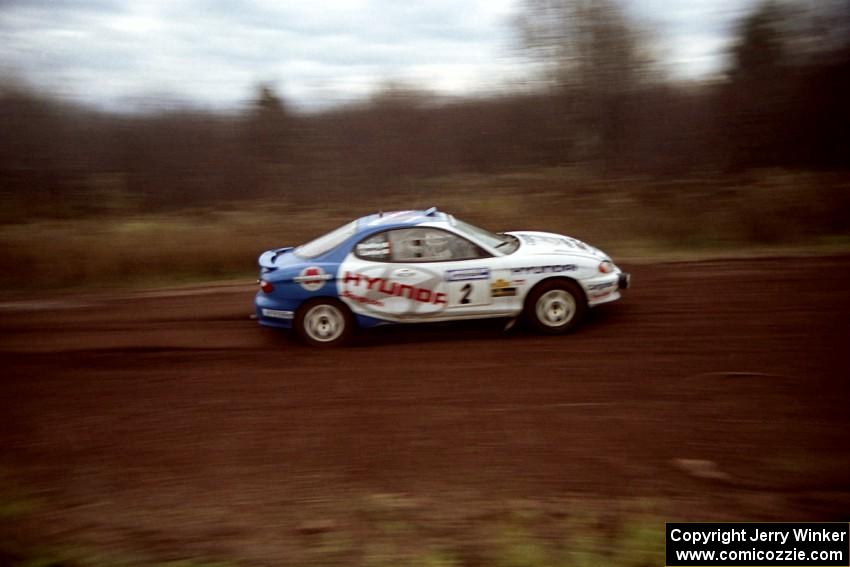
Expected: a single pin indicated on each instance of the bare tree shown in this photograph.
(585, 44)
(593, 56)
(269, 127)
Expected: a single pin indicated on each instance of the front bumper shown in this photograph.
(606, 288)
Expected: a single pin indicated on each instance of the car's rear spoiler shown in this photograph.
(268, 257)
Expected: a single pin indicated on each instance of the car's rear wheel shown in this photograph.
(555, 307)
(324, 322)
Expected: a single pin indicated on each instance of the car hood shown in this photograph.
(532, 242)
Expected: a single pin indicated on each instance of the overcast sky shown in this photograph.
(122, 54)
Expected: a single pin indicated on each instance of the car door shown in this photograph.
(422, 273)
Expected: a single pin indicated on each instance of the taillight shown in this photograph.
(606, 267)
(266, 286)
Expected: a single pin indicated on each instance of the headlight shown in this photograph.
(606, 266)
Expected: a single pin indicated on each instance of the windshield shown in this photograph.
(503, 242)
(327, 242)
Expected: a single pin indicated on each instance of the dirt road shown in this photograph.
(169, 421)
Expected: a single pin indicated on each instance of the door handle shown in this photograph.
(404, 273)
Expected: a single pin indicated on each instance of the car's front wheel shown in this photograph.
(555, 307)
(324, 322)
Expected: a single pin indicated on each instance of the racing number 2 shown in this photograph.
(469, 294)
(464, 294)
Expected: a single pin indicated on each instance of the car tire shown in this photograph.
(555, 307)
(324, 322)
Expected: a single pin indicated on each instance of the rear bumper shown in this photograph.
(271, 313)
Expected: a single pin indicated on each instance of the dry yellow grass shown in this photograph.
(628, 217)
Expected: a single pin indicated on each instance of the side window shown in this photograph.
(425, 244)
(375, 248)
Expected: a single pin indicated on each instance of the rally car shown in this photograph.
(418, 266)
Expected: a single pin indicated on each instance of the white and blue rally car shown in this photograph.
(418, 266)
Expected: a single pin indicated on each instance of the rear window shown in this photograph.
(327, 242)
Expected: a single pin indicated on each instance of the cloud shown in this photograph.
(104, 52)
(111, 53)
(693, 36)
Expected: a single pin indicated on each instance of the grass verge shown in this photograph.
(768, 212)
(382, 530)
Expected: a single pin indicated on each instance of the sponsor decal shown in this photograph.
(467, 274)
(554, 241)
(501, 288)
(312, 278)
(532, 240)
(397, 216)
(388, 288)
(362, 299)
(600, 286)
(373, 249)
(545, 269)
(278, 314)
(520, 281)
(581, 245)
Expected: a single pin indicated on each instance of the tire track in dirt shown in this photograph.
(121, 406)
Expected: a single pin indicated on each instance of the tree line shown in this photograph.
(601, 101)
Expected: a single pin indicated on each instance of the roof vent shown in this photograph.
(431, 212)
